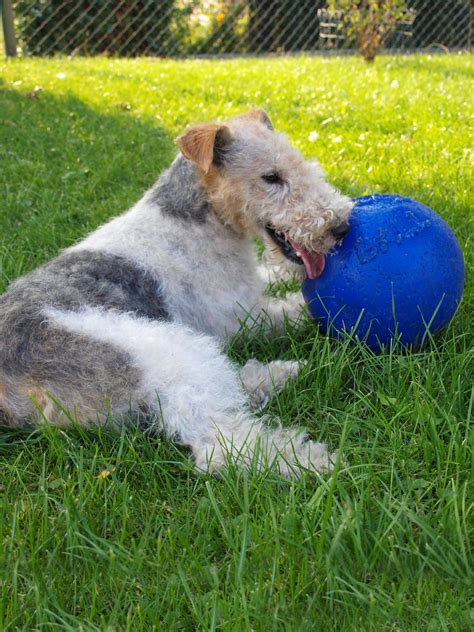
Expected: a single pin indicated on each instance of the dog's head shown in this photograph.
(260, 185)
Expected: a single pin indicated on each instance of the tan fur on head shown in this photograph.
(198, 143)
(256, 181)
(258, 115)
(228, 203)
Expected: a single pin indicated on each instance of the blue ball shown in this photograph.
(398, 273)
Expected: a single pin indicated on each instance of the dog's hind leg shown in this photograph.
(196, 393)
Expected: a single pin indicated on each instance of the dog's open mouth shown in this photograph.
(313, 262)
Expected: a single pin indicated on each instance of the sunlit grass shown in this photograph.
(113, 531)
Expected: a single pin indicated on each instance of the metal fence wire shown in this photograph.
(177, 28)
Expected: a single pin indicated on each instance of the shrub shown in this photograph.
(215, 26)
(369, 22)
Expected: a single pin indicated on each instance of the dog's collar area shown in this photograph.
(314, 262)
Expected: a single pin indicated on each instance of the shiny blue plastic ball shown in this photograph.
(398, 274)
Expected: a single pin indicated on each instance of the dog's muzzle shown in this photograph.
(313, 262)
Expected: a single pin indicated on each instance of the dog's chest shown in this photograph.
(207, 275)
(212, 284)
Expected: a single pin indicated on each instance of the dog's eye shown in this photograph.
(272, 178)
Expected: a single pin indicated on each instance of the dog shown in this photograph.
(133, 317)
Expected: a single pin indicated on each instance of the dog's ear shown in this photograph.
(261, 116)
(205, 144)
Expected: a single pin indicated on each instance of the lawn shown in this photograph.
(114, 531)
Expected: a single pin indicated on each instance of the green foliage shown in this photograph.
(104, 530)
(90, 27)
(369, 22)
(283, 25)
(216, 27)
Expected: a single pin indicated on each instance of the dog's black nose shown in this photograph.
(340, 230)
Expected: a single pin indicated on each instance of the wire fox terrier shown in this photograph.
(133, 317)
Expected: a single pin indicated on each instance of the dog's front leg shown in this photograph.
(280, 310)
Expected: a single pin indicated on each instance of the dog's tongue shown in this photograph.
(314, 262)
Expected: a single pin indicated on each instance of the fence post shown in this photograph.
(8, 28)
(471, 24)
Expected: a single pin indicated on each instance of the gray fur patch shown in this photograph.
(90, 278)
(180, 194)
(78, 371)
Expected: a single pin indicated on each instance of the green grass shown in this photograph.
(147, 544)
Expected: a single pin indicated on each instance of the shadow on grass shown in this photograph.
(66, 168)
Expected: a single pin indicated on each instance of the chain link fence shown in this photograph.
(179, 28)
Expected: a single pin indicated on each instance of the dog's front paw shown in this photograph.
(309, 455)
(263, 380)
(319, 458)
